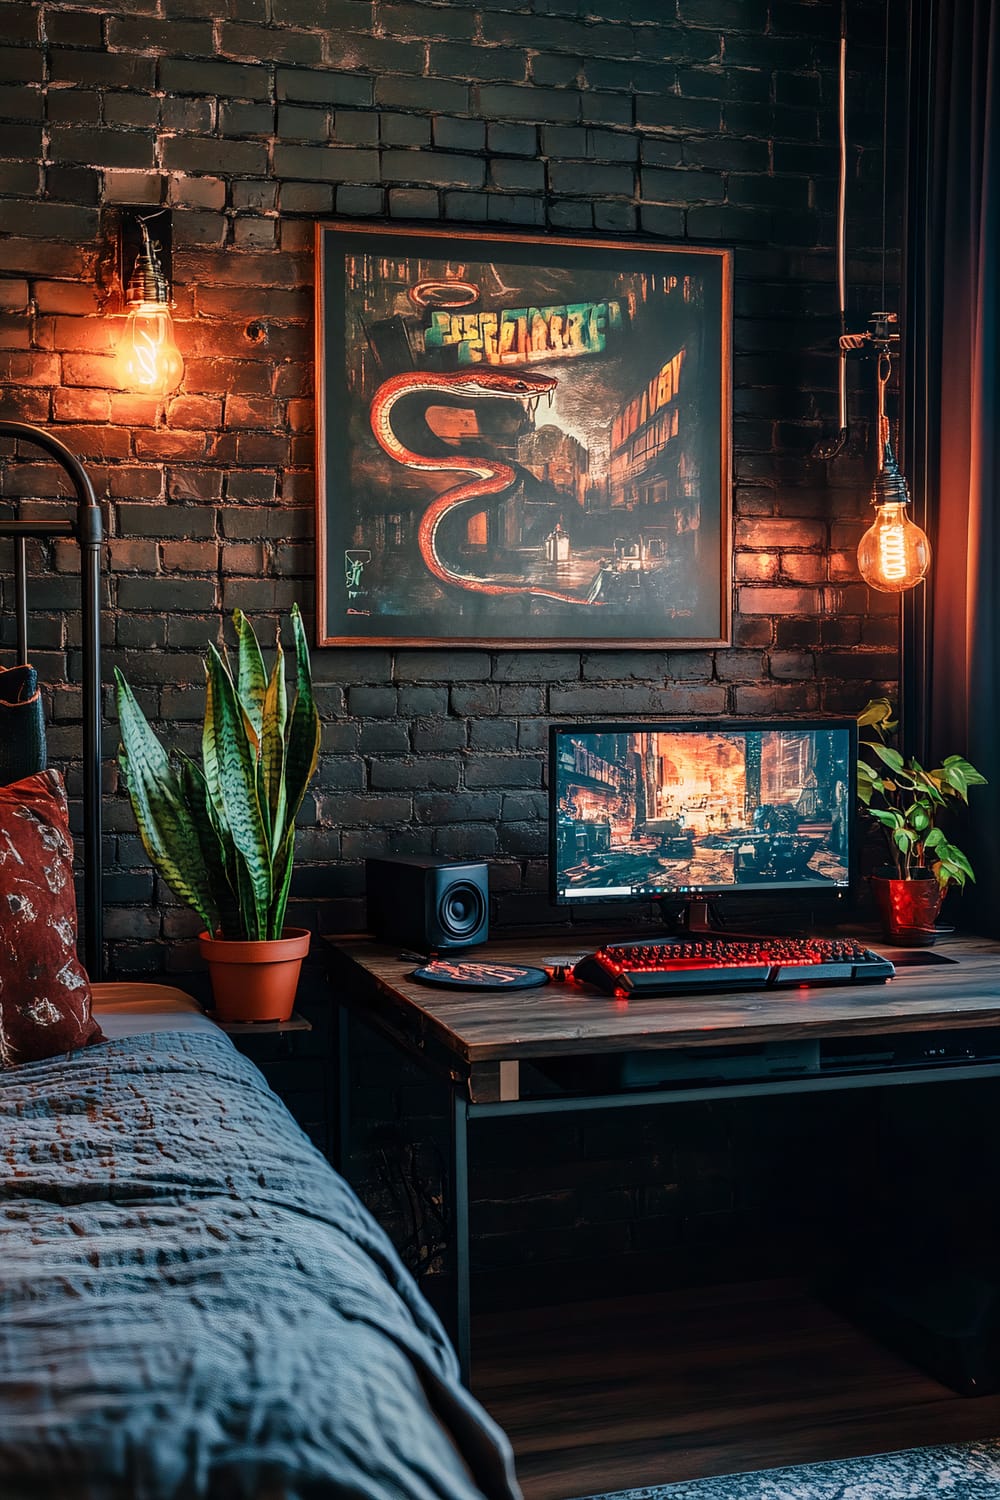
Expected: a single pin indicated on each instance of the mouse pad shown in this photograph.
(459, 974)
(918, 958)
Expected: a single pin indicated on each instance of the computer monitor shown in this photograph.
(694, 811)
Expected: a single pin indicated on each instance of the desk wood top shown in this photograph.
(569, 1019)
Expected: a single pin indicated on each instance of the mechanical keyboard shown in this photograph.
(715, 962)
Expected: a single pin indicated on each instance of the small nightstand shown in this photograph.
(294, 1056)
(296, 1022)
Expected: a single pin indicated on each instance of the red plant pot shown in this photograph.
(908, 908)
(255, 981)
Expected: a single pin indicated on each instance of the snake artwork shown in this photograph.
(443, 292)
(491, 477)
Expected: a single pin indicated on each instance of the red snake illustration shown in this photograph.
(492, 476)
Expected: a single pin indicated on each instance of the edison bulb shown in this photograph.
(148, 358)
(894, 554)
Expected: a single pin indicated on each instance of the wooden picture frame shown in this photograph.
(523, 440)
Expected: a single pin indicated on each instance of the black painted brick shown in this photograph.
(73, 29)
(440, 734)
(359, 200)
(306, 198)
(476, 841)
(402, 130)
(303, 123)
(180, 76)
(571, 215)
(414, 203)
(517, 176)
(528, 104)
(552, 70)
(326, 164)
(587, 179)
(420, 775)
(415, 701)
(435, 167)
(658, 186)
(514, 140)
(372, 702)
(459, 135)
(671, 112)
(324, 88)
(462, 807)
(252, 42)
(606, 109)
(99, 69)
(479, 63)
(434, 94)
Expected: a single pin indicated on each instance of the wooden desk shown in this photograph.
(504, 1054)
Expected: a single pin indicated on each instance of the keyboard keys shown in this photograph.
(715, 962)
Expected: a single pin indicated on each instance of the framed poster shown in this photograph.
(523, 440)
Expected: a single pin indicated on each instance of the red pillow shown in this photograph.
(44, 990)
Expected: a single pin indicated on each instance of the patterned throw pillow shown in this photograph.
(44, 990)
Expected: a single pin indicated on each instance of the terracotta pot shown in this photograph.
(255, 981)
(908, 908)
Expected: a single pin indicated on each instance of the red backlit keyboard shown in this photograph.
(679, 965)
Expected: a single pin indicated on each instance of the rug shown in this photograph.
(964, 1471)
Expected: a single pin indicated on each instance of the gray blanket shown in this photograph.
(193, 1304)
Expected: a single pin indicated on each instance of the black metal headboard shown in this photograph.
(88, 532)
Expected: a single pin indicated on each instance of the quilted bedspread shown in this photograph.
(193, 1304)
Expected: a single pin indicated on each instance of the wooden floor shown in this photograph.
(651, 1390)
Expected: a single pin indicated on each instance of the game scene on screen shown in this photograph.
(671, 811)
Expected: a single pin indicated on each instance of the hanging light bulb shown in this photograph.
(894, 554)
(148, 358)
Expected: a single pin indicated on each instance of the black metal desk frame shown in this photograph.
(464, 1113)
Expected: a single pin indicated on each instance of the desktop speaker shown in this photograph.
(430, 904)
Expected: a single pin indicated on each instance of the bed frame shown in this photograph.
(88, 532)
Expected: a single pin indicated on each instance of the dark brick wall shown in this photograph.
(701, 120)
(568, 1205)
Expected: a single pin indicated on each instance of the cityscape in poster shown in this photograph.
(522, 447)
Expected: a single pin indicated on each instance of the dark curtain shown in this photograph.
(952, 637)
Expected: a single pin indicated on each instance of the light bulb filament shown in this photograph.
(893, 554)
(149, 358)
(146, 349)
(892, 551)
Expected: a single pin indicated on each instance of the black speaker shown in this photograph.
(430, 904)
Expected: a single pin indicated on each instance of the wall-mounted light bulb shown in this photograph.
(148, 358)
(894, 554)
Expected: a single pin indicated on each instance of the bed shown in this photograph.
(192, 1303)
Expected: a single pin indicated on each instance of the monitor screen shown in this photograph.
(661, 809)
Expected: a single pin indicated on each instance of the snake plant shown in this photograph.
(222, 833)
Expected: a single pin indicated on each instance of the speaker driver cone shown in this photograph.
(461, 909)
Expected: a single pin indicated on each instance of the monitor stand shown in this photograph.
(698, 915)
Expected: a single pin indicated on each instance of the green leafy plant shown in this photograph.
(907, 800)
(222, 834)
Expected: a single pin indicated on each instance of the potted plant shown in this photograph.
(908, 801)
(222, 833)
